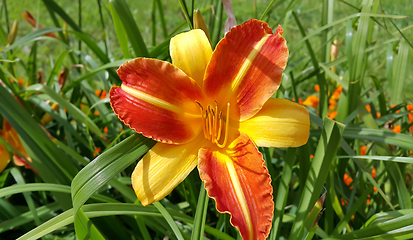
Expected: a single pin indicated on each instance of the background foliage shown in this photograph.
(349, 60)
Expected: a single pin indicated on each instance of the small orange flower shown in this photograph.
(347, 179)
(21, 82)
(332, 107)
(363, 150)
(397, 129)
(343, 202)
(337, 93)
(317, 88)
(378, 115)
(96, 113)
(332, 104)
(97, 151)
(373, 172)
(311, 156)
(105, 130)
(392, 106)
(332, 114)
(312, 101)
(410, 115)
(368, 108)
(368, 201)
(375, 189)
(102, 94)
(9, 134)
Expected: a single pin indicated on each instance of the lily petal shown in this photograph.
(4, 158)
(158, 100)
(248, 62)
(191, 52)
(280, 123)
(240, 184)
(163, 168)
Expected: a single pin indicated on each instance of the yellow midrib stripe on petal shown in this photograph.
(155, 101)
(248, 62)
(240, 195)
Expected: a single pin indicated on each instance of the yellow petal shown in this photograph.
(163, 168)
(280, 123)
(191, 52)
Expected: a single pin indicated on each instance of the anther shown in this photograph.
(199, 104)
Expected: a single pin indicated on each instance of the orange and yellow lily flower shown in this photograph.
(9, 134)
(212, 109)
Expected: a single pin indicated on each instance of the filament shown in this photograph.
(212, 124)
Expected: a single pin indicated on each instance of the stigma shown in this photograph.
(213, 123)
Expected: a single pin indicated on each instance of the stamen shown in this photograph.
(207, 127)
(203, 119)
(220, 126)
(226, 130)
(212, 124)
(216, 122)
(210, 121)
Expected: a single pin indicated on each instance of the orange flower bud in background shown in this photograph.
(363, 150)
(13, 33)
(410, 109)
(373, 172)
(347, 179)
(392, 106)
(30, 19)
(199, 23)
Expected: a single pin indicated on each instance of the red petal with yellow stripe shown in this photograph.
(236, 177)
(247, 66)
(158, 100)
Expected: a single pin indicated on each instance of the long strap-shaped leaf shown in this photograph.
(325, 153)
(48, 160)
(98, 173)
(106, 166)
(132, 30)
(109, 209)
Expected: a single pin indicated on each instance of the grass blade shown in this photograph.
(132, 30)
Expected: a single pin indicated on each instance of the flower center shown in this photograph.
(213, 123)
